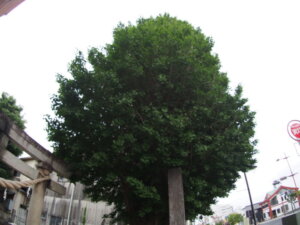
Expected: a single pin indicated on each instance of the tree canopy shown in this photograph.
(9, 106)
(153, 99)
(235, 218)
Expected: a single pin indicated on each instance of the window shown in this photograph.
(248, 213)
(286, 195)
(278, 210)
(55, 220)
(274, 201)
(286, 208)
(44, 216)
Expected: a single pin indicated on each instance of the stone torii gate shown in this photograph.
(47, 164)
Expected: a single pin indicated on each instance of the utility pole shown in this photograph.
(292, 174)
(252, 208)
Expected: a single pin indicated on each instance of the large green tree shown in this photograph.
(153, 99)
(9, 106)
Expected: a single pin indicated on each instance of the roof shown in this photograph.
(255, 206)
(271, 194)
(7, 5)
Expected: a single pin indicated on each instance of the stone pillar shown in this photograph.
(176, 197)
(36, 203)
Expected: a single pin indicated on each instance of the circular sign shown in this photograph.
(294, 129)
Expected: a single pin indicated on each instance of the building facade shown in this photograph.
(278, 202)
(257, 212)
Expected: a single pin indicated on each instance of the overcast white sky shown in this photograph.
(258, 43)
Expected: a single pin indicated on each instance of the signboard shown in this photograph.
(294, 129)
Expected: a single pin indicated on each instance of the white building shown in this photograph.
(221, 212)
(277, 202)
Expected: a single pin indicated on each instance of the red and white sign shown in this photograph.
(294, 129)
